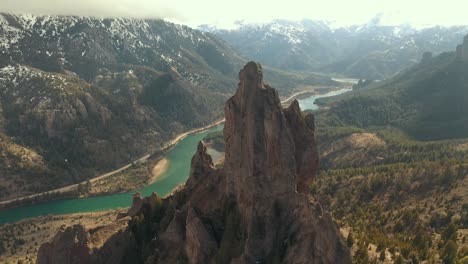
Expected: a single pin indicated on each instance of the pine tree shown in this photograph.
(350, 240)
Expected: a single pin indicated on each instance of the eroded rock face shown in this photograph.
(69, 243)
(78, 245)
(256, 209)
(307, 158)
(259, 147)
(201, 165)
(271, 153)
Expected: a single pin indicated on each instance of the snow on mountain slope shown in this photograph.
(367, 51)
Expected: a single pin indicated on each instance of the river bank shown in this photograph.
(82, 189)
(158, 170)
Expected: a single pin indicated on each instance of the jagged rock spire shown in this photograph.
(306, 155)
(259, 148)
(201, 165)
(269, 154)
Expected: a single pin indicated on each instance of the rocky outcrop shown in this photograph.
(78, 245)
(462, 50)
(140, 205)
(271, 153)
(201, 165)
(256, 208)
(307, 158)
(68, 244)
(200, 245)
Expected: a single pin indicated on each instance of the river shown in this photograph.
(179, 166)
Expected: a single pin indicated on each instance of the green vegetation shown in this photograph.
(394, 156)
(428, 102)
(216, 139)
(403, 196)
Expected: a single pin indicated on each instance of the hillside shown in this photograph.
(86, 95)
(369, 51)
(394, 159)
(428, 101)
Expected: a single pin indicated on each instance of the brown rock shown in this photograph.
(200, 245)
(201, 165)
(268, 154)
(306, 155)
(137, 204)
(257, 141)
(77, 245)
(69, 245)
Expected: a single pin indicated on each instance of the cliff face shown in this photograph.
(253, 210)
(465, 49)
(462, 50)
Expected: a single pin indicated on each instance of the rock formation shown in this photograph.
(201, 165)
(465, 49)
(306, 154)
(462, 50)
(256, 208)
(75, 244)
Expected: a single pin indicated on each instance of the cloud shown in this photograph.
(225, 12)
(97, 8)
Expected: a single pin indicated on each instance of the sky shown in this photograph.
(225, 13)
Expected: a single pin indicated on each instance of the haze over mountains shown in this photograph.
(369, 51)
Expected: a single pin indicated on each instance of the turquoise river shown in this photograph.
(177, 172)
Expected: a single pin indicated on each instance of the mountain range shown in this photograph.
(369, 51)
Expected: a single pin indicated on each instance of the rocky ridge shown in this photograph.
(255, 209)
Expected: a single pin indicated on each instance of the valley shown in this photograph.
(76, 209)
(92, 95)
(175, 174)
(136, 139)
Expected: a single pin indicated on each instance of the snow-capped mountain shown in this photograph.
(366, 51)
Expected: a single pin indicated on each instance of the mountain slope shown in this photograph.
(86, 95)
(428, 101)
(370, 51)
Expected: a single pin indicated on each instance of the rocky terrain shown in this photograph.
(80, 96)
(255, 209)
(20, 241)
(368, 51)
